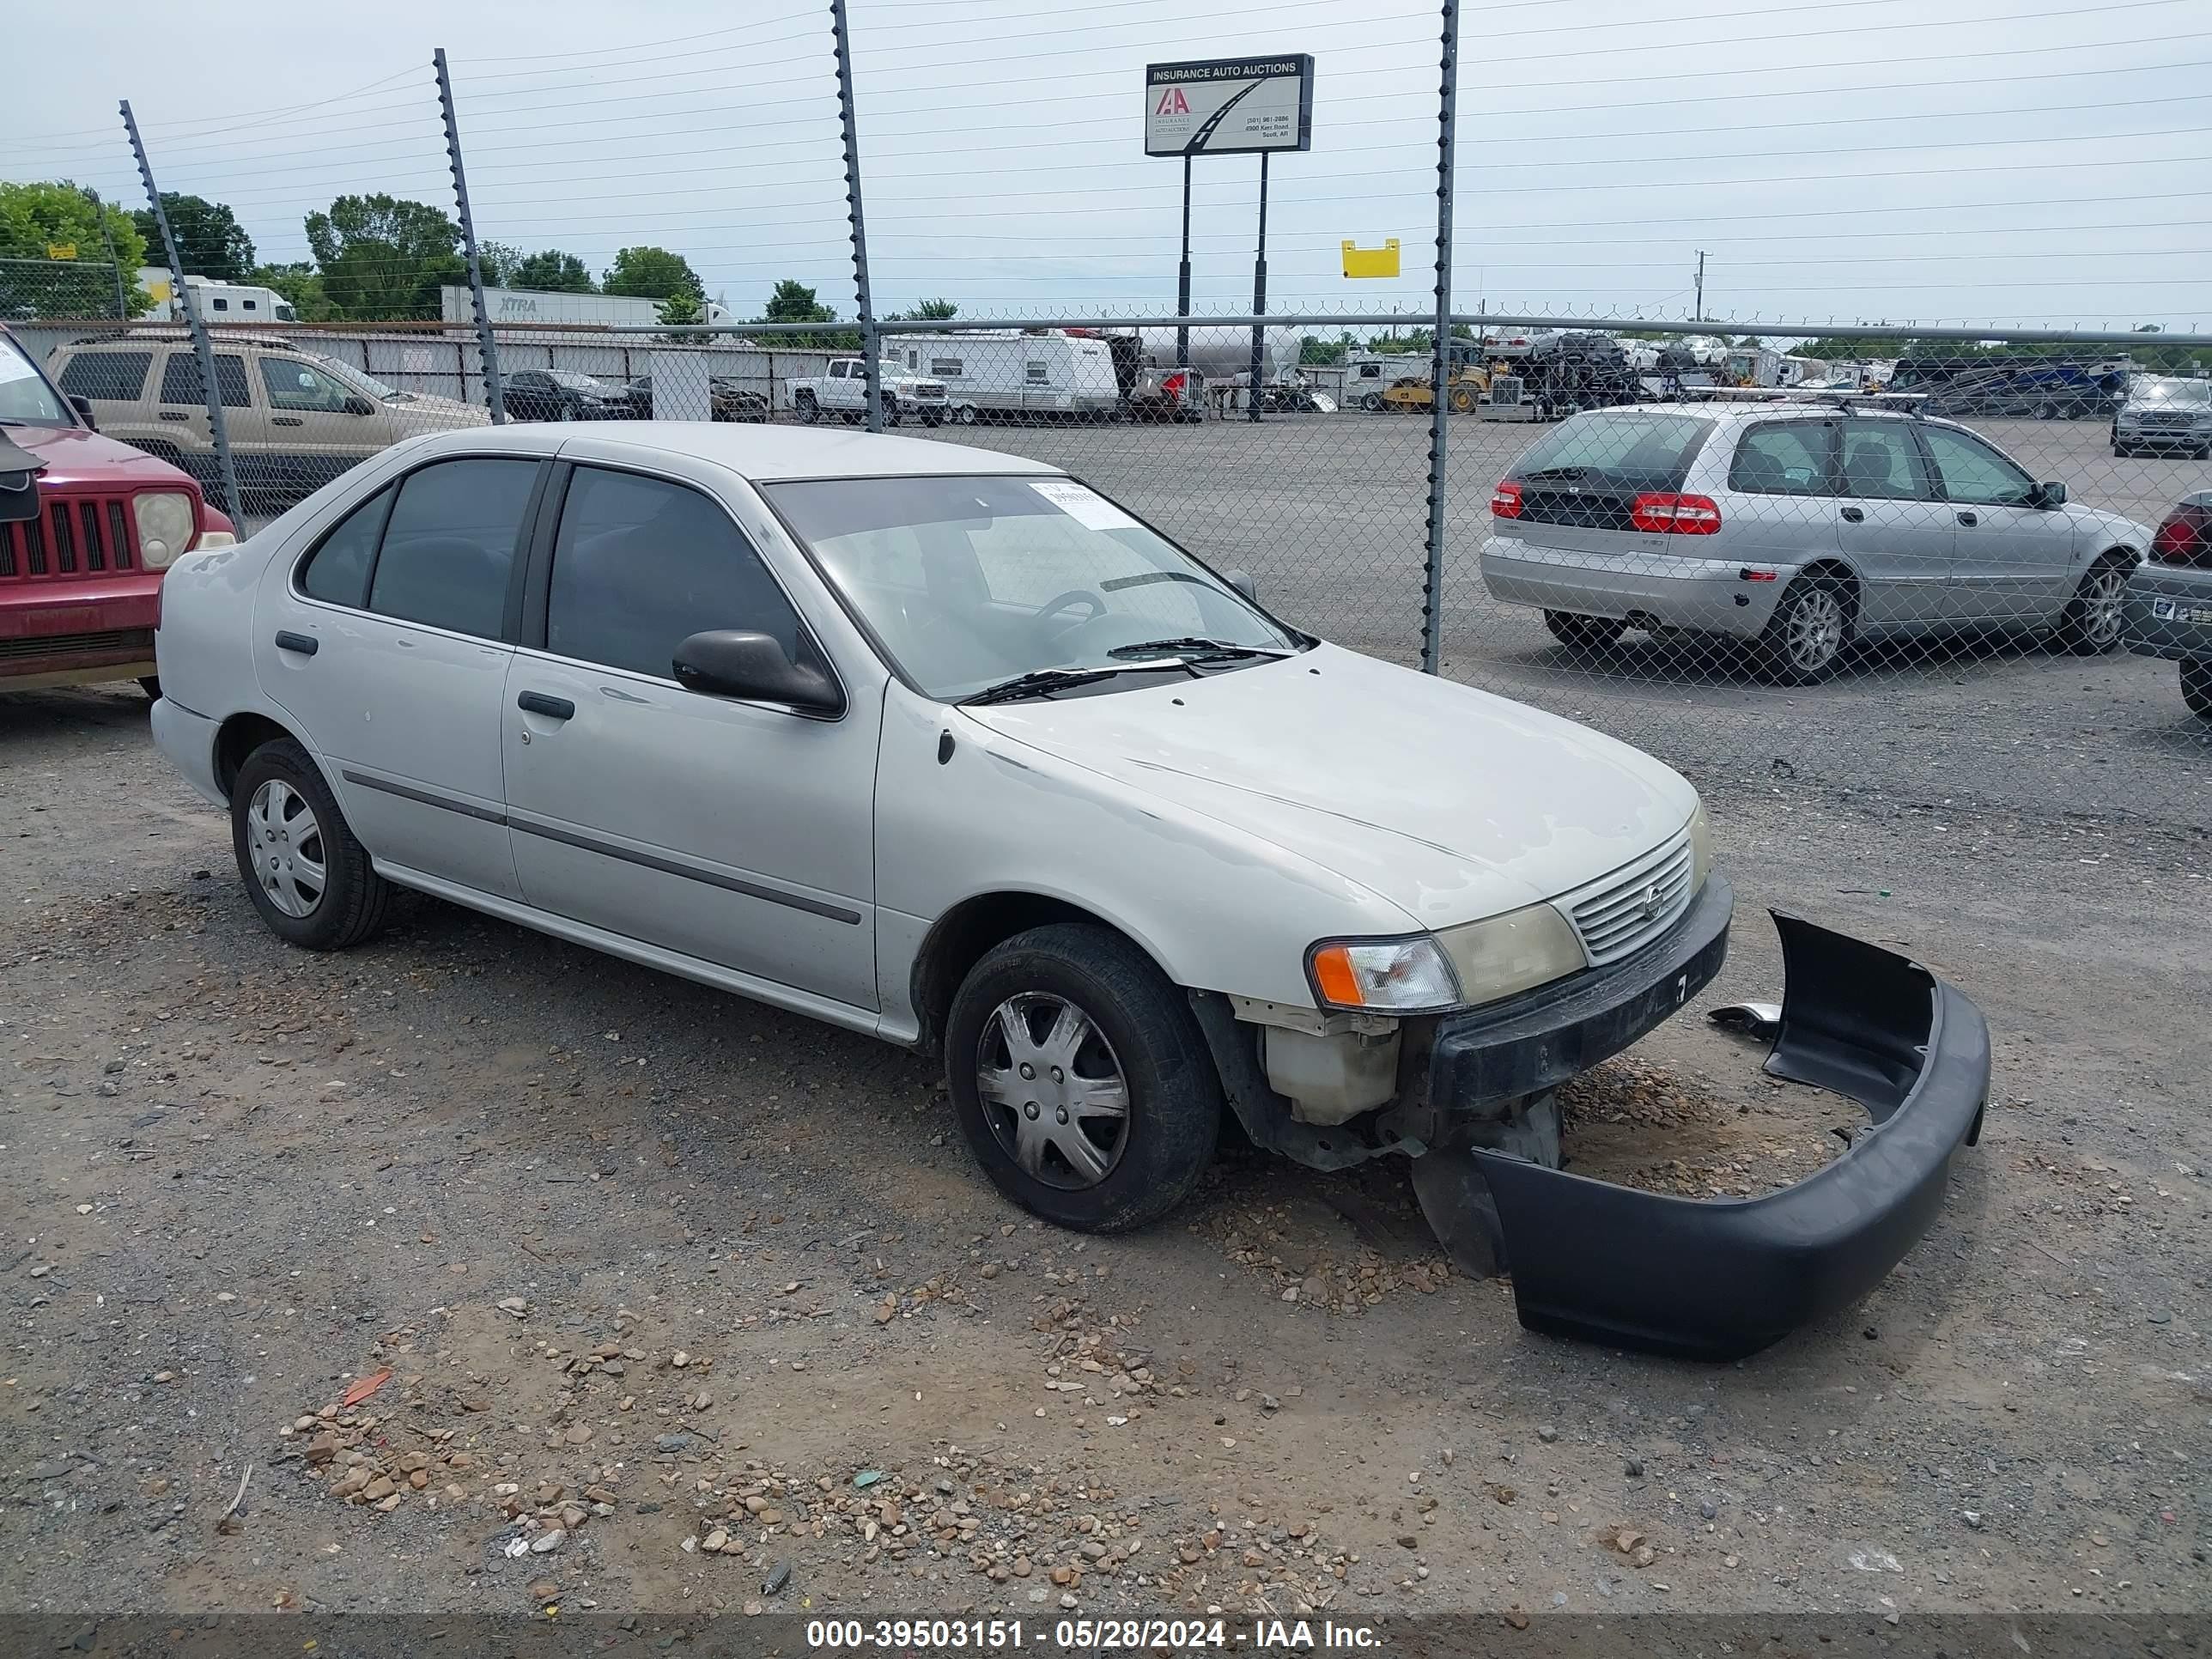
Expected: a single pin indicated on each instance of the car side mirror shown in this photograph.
(2051, 493)
(1243, 583)
(83, 407)
(732, 662)
(357, 405)
(19, 482)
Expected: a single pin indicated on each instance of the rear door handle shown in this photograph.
(306, 644)
(554, 709)
(174, 415)
(286, 420)
(1969, 519)
(1855, 515)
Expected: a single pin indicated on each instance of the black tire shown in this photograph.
(2092, 624)
(809, 410)
(1173, 1119)
(1798, 647)
(151, 685)
(2197, 686)
(1584, 633)
(355, 899)
(1371, 402)
(890, 409)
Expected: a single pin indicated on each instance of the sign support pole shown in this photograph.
(1432, 595)
(487, 346)
(1259, 297)
(1182, 278)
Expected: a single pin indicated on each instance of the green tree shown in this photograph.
(383, 259)
(929, 310)
(210, 242)
(1311, 350)
(650, 273)
(498, 261)
(552, 271)
(792, 301)
(298, 283)
(686, 304)
(36, 218)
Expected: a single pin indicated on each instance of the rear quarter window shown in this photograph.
(180, 380)
(106, 376)
(1642, 451)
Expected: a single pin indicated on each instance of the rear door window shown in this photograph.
(1784, 458)
(180, 380)
(1882, 463)
(450, 545)
(107, 376)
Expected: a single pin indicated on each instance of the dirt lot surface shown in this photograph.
(503, 1276)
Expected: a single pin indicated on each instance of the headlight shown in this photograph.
(1701, 849)
(166, 523)
(1382, 975)
(1517, 951)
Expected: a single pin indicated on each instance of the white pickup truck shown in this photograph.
(842, 390)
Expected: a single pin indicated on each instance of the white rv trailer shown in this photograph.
(1011, 370)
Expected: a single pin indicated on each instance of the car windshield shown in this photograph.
(573, 380)
(1639, 451)
(2197, 393)
(25, 397)
(971, 582)
(366, 383)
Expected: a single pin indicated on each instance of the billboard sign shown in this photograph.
(1228, 106)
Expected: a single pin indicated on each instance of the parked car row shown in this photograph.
(561, 394)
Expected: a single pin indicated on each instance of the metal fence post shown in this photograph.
(495, 394)
(233, 503)
(1432, 592)
(868, 344)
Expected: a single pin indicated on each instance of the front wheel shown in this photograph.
(2197, 686)
(891, 412)
(1082, 1081)
(2094, 616)
(1805, 638)
(308, 876)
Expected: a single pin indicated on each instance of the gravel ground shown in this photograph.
(504, 1276)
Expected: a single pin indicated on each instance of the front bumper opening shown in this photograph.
(1717, 1280)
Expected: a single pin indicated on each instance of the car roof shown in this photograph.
(761, 454)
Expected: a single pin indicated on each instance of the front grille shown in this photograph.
(929, 389)
(1619, 914)
(137, 641)
(72, 536)
(2166, 418)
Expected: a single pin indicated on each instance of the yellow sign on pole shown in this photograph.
(61, 250)
(1372, 261)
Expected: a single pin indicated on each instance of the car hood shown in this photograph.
(423, 413)
(1452, 804)
(78, 458)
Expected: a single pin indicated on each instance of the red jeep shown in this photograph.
(87, 527)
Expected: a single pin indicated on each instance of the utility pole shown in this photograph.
(1432, 594)
(487, 347)
(1701, 285)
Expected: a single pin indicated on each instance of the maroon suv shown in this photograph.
(81, 569)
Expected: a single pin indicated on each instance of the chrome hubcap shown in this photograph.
(287, 847)
(2102, 606)
(1053, 1091)
(1816, 629)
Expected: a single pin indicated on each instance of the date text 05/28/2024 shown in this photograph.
(1087, 1635)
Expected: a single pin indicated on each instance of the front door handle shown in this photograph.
(306, 644)
(1855, 515)
(1969, 519)
(554, 709)
(286, 420)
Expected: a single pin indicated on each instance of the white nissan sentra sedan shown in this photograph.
(942, 745)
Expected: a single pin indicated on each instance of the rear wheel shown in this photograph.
(1583, 633)
(1082, 1081)
(2197, 686)
(151, 685)
(308, 876)
(965, 415)
(890, 410)
(2094, 616)
(809, 410)
(1372, 403)
(1805, 637)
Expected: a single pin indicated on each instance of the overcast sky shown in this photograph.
(2021, 161)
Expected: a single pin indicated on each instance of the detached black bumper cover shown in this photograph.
(1718, 1279)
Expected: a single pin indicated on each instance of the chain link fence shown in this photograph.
(1906, 563)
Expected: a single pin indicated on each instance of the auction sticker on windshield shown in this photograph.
(1084, 504)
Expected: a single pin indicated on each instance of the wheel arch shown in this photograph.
(960, 937)
(1837, 569)
(238, 738)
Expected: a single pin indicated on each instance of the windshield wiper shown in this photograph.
(1194, 646)
(1036, 680)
